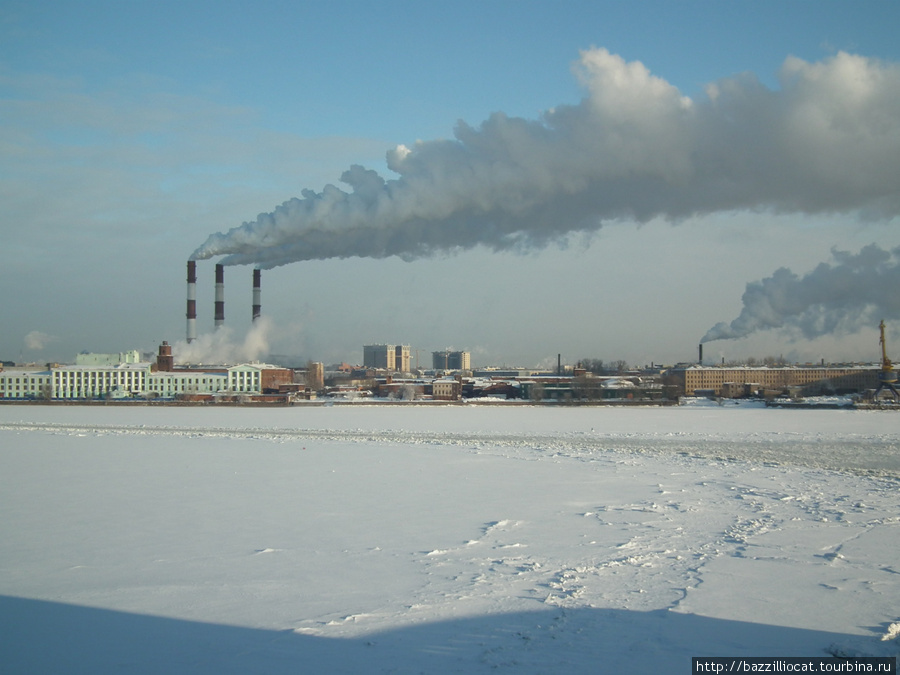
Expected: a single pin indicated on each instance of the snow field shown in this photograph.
(446, 539)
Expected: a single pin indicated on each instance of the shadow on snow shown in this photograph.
(49, 637)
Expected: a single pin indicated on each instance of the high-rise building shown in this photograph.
(387, 357)
(401, 358)
(451, 360)
(380, 356)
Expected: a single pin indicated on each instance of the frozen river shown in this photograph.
(443, 538)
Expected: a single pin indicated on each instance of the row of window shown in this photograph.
(91, 383)
(210, 384)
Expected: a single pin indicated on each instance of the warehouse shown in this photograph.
(811, 380)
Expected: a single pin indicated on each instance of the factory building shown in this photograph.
(75, 382)
(731, 382)
(141, 380)
(24, 383)
(85, 382)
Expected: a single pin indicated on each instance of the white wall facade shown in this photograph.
(184, 383)
(87, 382)
(127, 380)
(245, 379)
(25, 384)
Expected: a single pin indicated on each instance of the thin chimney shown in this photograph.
(257, 308)
(191, 301)
(220, 296)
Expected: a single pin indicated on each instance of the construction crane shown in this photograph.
(887, 378)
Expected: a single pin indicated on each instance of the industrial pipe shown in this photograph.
(220, 296)
(257, 308)
(191, 301)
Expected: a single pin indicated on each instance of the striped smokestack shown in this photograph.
(257, 308)
(191, 301)
(220, 296)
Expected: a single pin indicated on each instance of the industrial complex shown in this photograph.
(389, 372)
(118, 377)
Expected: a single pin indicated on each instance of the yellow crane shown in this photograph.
(888, 376)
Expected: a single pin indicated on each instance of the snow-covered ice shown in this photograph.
(443, 539)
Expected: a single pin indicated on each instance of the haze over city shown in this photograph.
(514, 179)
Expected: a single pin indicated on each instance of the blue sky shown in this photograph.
(133, 130)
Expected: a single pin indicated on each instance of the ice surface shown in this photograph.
(443, 538)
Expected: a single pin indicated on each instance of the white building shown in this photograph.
(128, 380)
(24, 383)
(86, 382)
(245, 379)
(175, 383)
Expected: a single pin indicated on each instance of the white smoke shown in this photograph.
(854, 291)
(37, 340)
(828, 140)
(222, 348)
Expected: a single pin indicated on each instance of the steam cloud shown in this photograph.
(37, 340)
(856, 291)
(828, 140)
(220, 346)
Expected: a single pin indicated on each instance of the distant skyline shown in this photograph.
(133, 131)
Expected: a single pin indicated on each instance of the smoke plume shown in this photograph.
(827, 140)
(37, 340)
(221, 348)
(853, 291)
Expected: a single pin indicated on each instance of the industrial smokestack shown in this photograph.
(257, 308)
(700, 356)
(220, 296)
(191, 301)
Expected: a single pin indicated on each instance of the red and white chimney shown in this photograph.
(191, 301)
(220, 296)
(257, 308)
